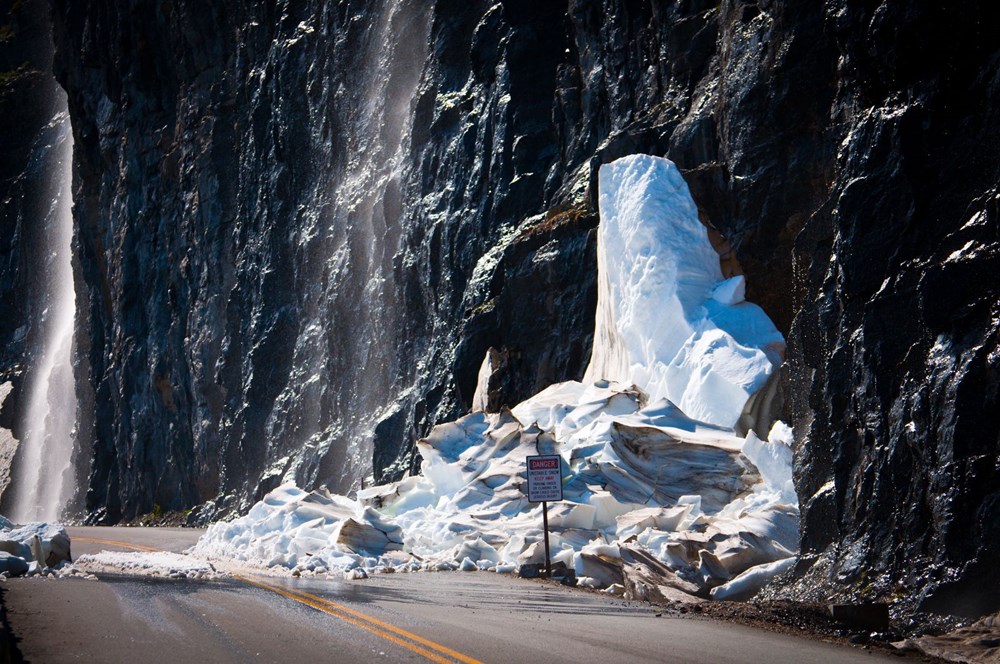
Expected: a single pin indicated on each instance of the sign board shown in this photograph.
(544, 478)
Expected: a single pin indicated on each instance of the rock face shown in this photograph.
(301, 227)
(28, 101)
(896, 368)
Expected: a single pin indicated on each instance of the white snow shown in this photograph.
(667, 321)
(750, 582)
(480, 397)
(295, 529)
(730, 291)
(654, 474)
(34, 549)
(159, 563)
(773, 459)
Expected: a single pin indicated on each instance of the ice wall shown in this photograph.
(667, 320)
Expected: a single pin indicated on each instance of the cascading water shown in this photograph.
(353, 331)
(43, 479)
(368, 199)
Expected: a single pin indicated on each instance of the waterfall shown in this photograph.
(43, 478)
(368, 197)
(353, 329)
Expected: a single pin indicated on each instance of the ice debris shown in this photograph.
(34, 549)
(662, 498)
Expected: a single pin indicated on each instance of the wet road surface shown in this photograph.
(439, 617)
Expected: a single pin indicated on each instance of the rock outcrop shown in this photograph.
(301, 227)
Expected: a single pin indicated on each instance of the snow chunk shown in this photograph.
(304, 530)
(666, 320)
(480, 399)
(45, 543)
(750, 582)
(12, 565)
(773, 458)
(35, 549)
(355, 574)
(159, 563)
(730, 291)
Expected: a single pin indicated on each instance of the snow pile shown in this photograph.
(667, 321)
(661, 496)
(158, 563)
(35, 548)
(314, 532)
(637, 477)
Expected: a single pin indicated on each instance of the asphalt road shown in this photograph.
(439, 617)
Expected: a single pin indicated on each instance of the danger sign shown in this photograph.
(544, 478)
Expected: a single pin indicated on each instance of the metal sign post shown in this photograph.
(545, 484)
(545, 528)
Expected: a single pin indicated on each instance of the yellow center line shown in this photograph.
(123, 545)
(368, 623)
(387, 631)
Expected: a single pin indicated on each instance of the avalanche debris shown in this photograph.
(35, 549)
(662, 498)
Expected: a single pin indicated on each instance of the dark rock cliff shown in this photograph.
(896, 345)
(301, 227)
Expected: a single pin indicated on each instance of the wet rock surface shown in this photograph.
(293, 266)
(895, 346)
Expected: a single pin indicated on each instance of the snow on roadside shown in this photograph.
(35, 549)
(42, 550)
(156, 563)
(657, 484)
